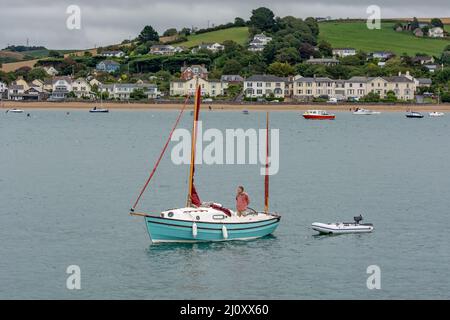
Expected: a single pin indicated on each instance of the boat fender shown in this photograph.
(225, 232)
(194, 230)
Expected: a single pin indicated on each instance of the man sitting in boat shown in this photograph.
(242, 201)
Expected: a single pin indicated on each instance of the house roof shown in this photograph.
(424, 80)
(398, 79)
(161, 46)
(110, 62)
(231, 77)
(16, 87)
(201, 68)
(323, 60)
(266, 78)
(344, 49)
(65, 78)
(112, 52)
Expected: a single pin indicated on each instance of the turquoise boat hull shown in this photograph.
(171, 230)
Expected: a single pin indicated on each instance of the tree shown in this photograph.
(325, 48)
(415, 24)
(232, 66)
(239, 22)
(436, 22)
(390, 96)
(306, 50)
(185, 31)
(371, 97)
(37, 73)
(262, 19)
(148, 34)
(138, 94)
(288, 55)
(170, 32)
(313, 25)
(281, 69)
(54, 54)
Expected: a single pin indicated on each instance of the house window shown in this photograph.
(249, 84)
(259, 91)
(259, 84)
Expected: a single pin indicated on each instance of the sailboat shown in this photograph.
(201, 221)
(101, 109)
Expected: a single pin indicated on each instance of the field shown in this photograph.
(357, 35)
(238, 34)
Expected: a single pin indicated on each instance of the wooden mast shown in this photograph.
(194, 143)
(266, 178)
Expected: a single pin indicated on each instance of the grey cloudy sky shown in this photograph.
(104, 22)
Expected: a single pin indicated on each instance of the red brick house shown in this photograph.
(188, 73)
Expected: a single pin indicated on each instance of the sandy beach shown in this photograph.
(223, 106)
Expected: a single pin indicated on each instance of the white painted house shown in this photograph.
(61, 87)
(81, 88)
(113, 54)
(213, 47)
(260, 86)
(3, 90)
(436, 32)
(51, 71)
(344, 52)
(259, 42)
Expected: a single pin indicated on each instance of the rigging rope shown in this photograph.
(161, 155)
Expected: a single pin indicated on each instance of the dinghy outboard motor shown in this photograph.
(358, 219)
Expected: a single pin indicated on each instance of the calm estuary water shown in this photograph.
(68, 181)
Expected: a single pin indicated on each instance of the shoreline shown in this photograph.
(43, 105)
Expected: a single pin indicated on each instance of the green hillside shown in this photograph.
(357, 35)
(238, 34)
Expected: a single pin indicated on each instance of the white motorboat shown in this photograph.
(365, 112)
(14, 110)
(436, 114)
(414, 115)
(98, 110)
(343, 227)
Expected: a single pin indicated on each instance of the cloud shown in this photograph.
(106, 22)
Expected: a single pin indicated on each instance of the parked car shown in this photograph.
(207, 100)
(332, 100)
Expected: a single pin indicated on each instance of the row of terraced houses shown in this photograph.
(298, 88)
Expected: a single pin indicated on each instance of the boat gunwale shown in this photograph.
(275, 219)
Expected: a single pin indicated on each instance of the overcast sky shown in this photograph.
(105, 22)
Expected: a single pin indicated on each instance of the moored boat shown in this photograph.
(98, 110)
(205, 223)
(414, 114)
(14, 110)
(318, 115)
(343, 227)
(365, 112)
(436, 114)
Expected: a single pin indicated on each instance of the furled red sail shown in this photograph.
(193, 198)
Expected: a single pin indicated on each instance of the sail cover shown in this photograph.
(193, 198)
